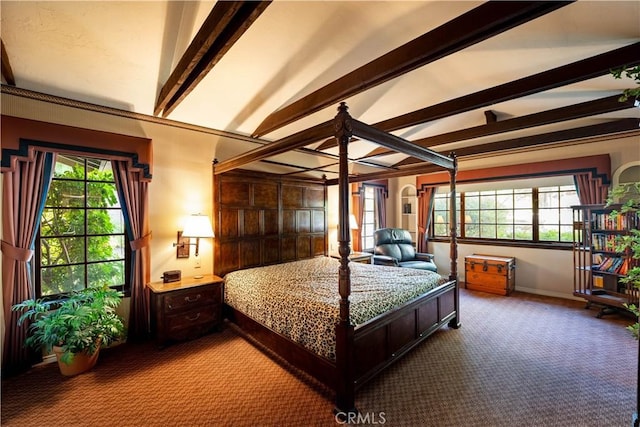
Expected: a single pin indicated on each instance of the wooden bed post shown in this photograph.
(453, 250)
(345, 391)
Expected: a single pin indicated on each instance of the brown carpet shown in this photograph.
(520, 360)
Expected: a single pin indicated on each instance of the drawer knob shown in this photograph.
(189, 299)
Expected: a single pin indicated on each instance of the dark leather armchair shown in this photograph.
(394, 247)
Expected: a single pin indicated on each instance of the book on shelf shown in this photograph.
(598, 282)
(620, 221)
(603, 242)
(616, 265)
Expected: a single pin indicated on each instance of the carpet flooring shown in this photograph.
(522, 360)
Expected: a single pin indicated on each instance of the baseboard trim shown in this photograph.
(548, 293)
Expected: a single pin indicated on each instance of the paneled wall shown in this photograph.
(265, 219)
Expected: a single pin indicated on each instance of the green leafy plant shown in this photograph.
(82, 322)
(628, 196)
(632, 73)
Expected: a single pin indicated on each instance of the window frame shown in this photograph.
(535, 242)
(126, 286)
(368, 188)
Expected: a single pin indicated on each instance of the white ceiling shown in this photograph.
(119, 54)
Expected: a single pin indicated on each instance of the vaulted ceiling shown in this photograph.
(471, 77)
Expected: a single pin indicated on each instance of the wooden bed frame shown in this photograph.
(363, 351)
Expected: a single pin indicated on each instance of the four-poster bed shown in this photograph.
(246, 205)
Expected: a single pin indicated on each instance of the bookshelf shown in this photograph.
(409, 211)
(598, 266)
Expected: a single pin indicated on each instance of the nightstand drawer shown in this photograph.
(187, 299)
(192, 318)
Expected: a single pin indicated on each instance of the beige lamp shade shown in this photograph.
(198, 226)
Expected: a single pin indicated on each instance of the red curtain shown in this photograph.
(358, 196)
(591, 189)
(25, 187)
(133, 193)
(380, 197)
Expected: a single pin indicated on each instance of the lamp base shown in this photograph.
(199, 276)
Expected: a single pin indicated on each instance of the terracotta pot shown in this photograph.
(82, 362)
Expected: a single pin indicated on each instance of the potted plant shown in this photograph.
(74, 328)
(628, 196)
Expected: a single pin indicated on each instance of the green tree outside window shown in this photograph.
(82, 240)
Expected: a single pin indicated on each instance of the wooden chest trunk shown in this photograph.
(490, 273)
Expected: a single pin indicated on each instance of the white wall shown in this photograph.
(538, 271)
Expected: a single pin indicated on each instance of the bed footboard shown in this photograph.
(297, 355)
(376, 345)
(384, 339)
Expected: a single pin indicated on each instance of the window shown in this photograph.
(539, 215)
(81, 240)
(369, 223)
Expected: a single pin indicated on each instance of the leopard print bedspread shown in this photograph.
(300, 299)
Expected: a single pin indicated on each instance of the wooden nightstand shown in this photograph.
(186, 309)
(362, 257)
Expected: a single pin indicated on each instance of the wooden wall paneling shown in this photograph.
(271, 250)
(227, 257)
(319, 245)
(228, 224)
(271, 226)
(303, 220)
(251, 222)
(288, 247)
(265, 219)
(292, 196)
(265, 195)
(289, 221)
(251, 252)
(318, 221)
(314, 198)
(234, 193)
(303, 247)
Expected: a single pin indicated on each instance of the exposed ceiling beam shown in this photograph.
(226, 22)
(585, 69)
(607, 128)
(480, 23)
(556, 115)
(7, 72)
(490, 116)
(323, 130)
(614, 127)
